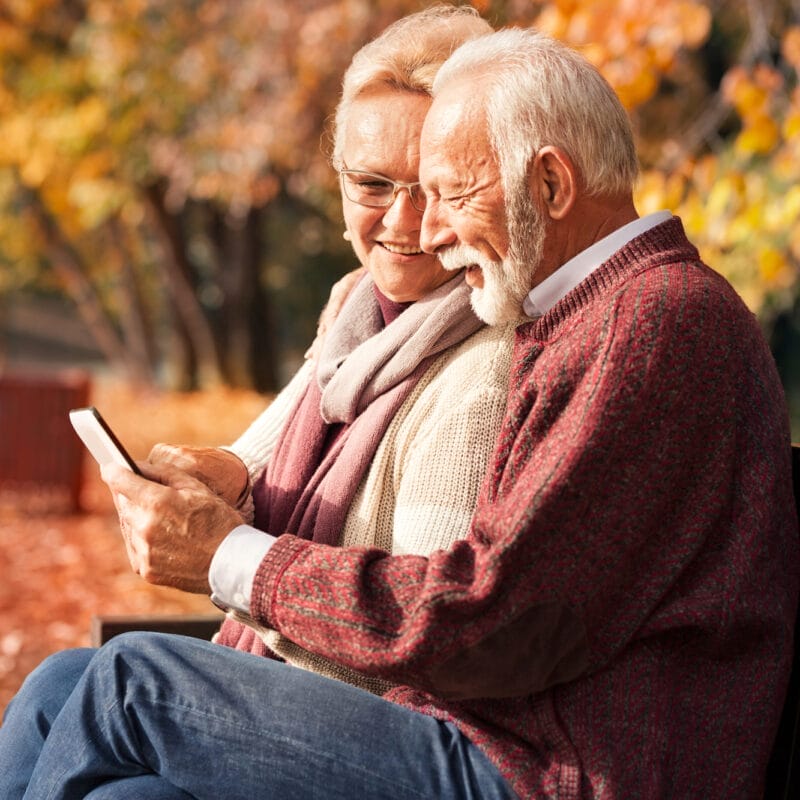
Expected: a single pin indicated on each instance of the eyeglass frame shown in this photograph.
(396, 187)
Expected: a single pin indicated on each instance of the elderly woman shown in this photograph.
(381, 439)
(390, 429)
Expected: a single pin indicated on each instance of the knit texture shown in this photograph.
(367, 369)
(361, 359)
(256, 444)
(422, 485)
(618, 622)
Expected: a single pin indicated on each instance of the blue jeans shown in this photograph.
(185, 717)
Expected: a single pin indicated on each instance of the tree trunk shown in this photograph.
(68, 265)
(246, 320)
(134, 320)
(178, 270)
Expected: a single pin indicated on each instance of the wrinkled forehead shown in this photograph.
(455, 131)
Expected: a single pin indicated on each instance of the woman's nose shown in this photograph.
(401, 213)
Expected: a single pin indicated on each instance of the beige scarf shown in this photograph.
(365, 372)
(361, 359)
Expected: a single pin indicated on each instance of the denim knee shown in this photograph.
(46, 689)
(139, 647)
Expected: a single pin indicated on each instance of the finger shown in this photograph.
(163, 452)
(173, 477)
(133, 486)
(123, 481)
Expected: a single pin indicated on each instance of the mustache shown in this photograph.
(460, 256)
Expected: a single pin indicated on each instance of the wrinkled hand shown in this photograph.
(340, 291)
(172, 524)
(223, 472)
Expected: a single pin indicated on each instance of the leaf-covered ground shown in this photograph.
(58, 569)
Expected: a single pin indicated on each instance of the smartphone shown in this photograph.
(100, 439)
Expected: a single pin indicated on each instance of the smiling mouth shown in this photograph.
(473, 275)
(403, 250)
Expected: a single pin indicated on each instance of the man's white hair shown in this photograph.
(536, 91)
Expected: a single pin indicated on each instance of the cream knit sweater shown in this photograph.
(420, 491)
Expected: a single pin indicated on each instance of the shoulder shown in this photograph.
(484, 357)
(468, 381)
(642, 305)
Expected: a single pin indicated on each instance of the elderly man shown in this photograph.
(618, 621)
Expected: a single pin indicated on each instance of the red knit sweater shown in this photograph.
(618, 622)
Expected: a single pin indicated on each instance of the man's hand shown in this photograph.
(172, 524)
(221, 471)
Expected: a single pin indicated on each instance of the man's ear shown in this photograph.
(554, 182)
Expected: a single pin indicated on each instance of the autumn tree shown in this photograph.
(165, 162)
(712, 89)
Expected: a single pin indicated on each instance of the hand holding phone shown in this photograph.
(100, 439)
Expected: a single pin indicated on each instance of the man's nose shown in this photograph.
(435, 231)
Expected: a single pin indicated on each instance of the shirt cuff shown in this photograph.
(234, 567)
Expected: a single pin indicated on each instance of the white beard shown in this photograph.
(505, 284)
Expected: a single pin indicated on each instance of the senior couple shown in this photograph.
(551, 556)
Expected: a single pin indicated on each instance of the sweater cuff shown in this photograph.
(278, 559)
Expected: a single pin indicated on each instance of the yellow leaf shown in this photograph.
(38, 164)
(791, 125)
(553, 22)
(759, 137)
(633, 83)
(790, 205)
(12, 40)
(91, 115)
(695, 21)
(740, 90)
(650, 192)
(15, 134)
(771, 263)
(721, 197)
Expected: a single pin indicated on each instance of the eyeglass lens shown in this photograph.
(369, 189)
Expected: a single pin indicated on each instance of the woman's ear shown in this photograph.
(554, 182)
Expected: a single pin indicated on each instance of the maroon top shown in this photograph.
(618, 623)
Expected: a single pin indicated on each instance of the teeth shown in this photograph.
(405, 251)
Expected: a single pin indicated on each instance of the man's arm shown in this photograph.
(602, 495)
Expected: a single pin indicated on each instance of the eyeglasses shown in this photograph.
(378, 191)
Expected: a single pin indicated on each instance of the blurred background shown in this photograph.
(170, 226)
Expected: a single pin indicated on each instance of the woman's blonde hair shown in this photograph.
(406, 57)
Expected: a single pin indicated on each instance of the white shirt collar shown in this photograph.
(545, 295)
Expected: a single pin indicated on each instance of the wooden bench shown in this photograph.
(783, 771)
(39, 451)
(200, 626)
